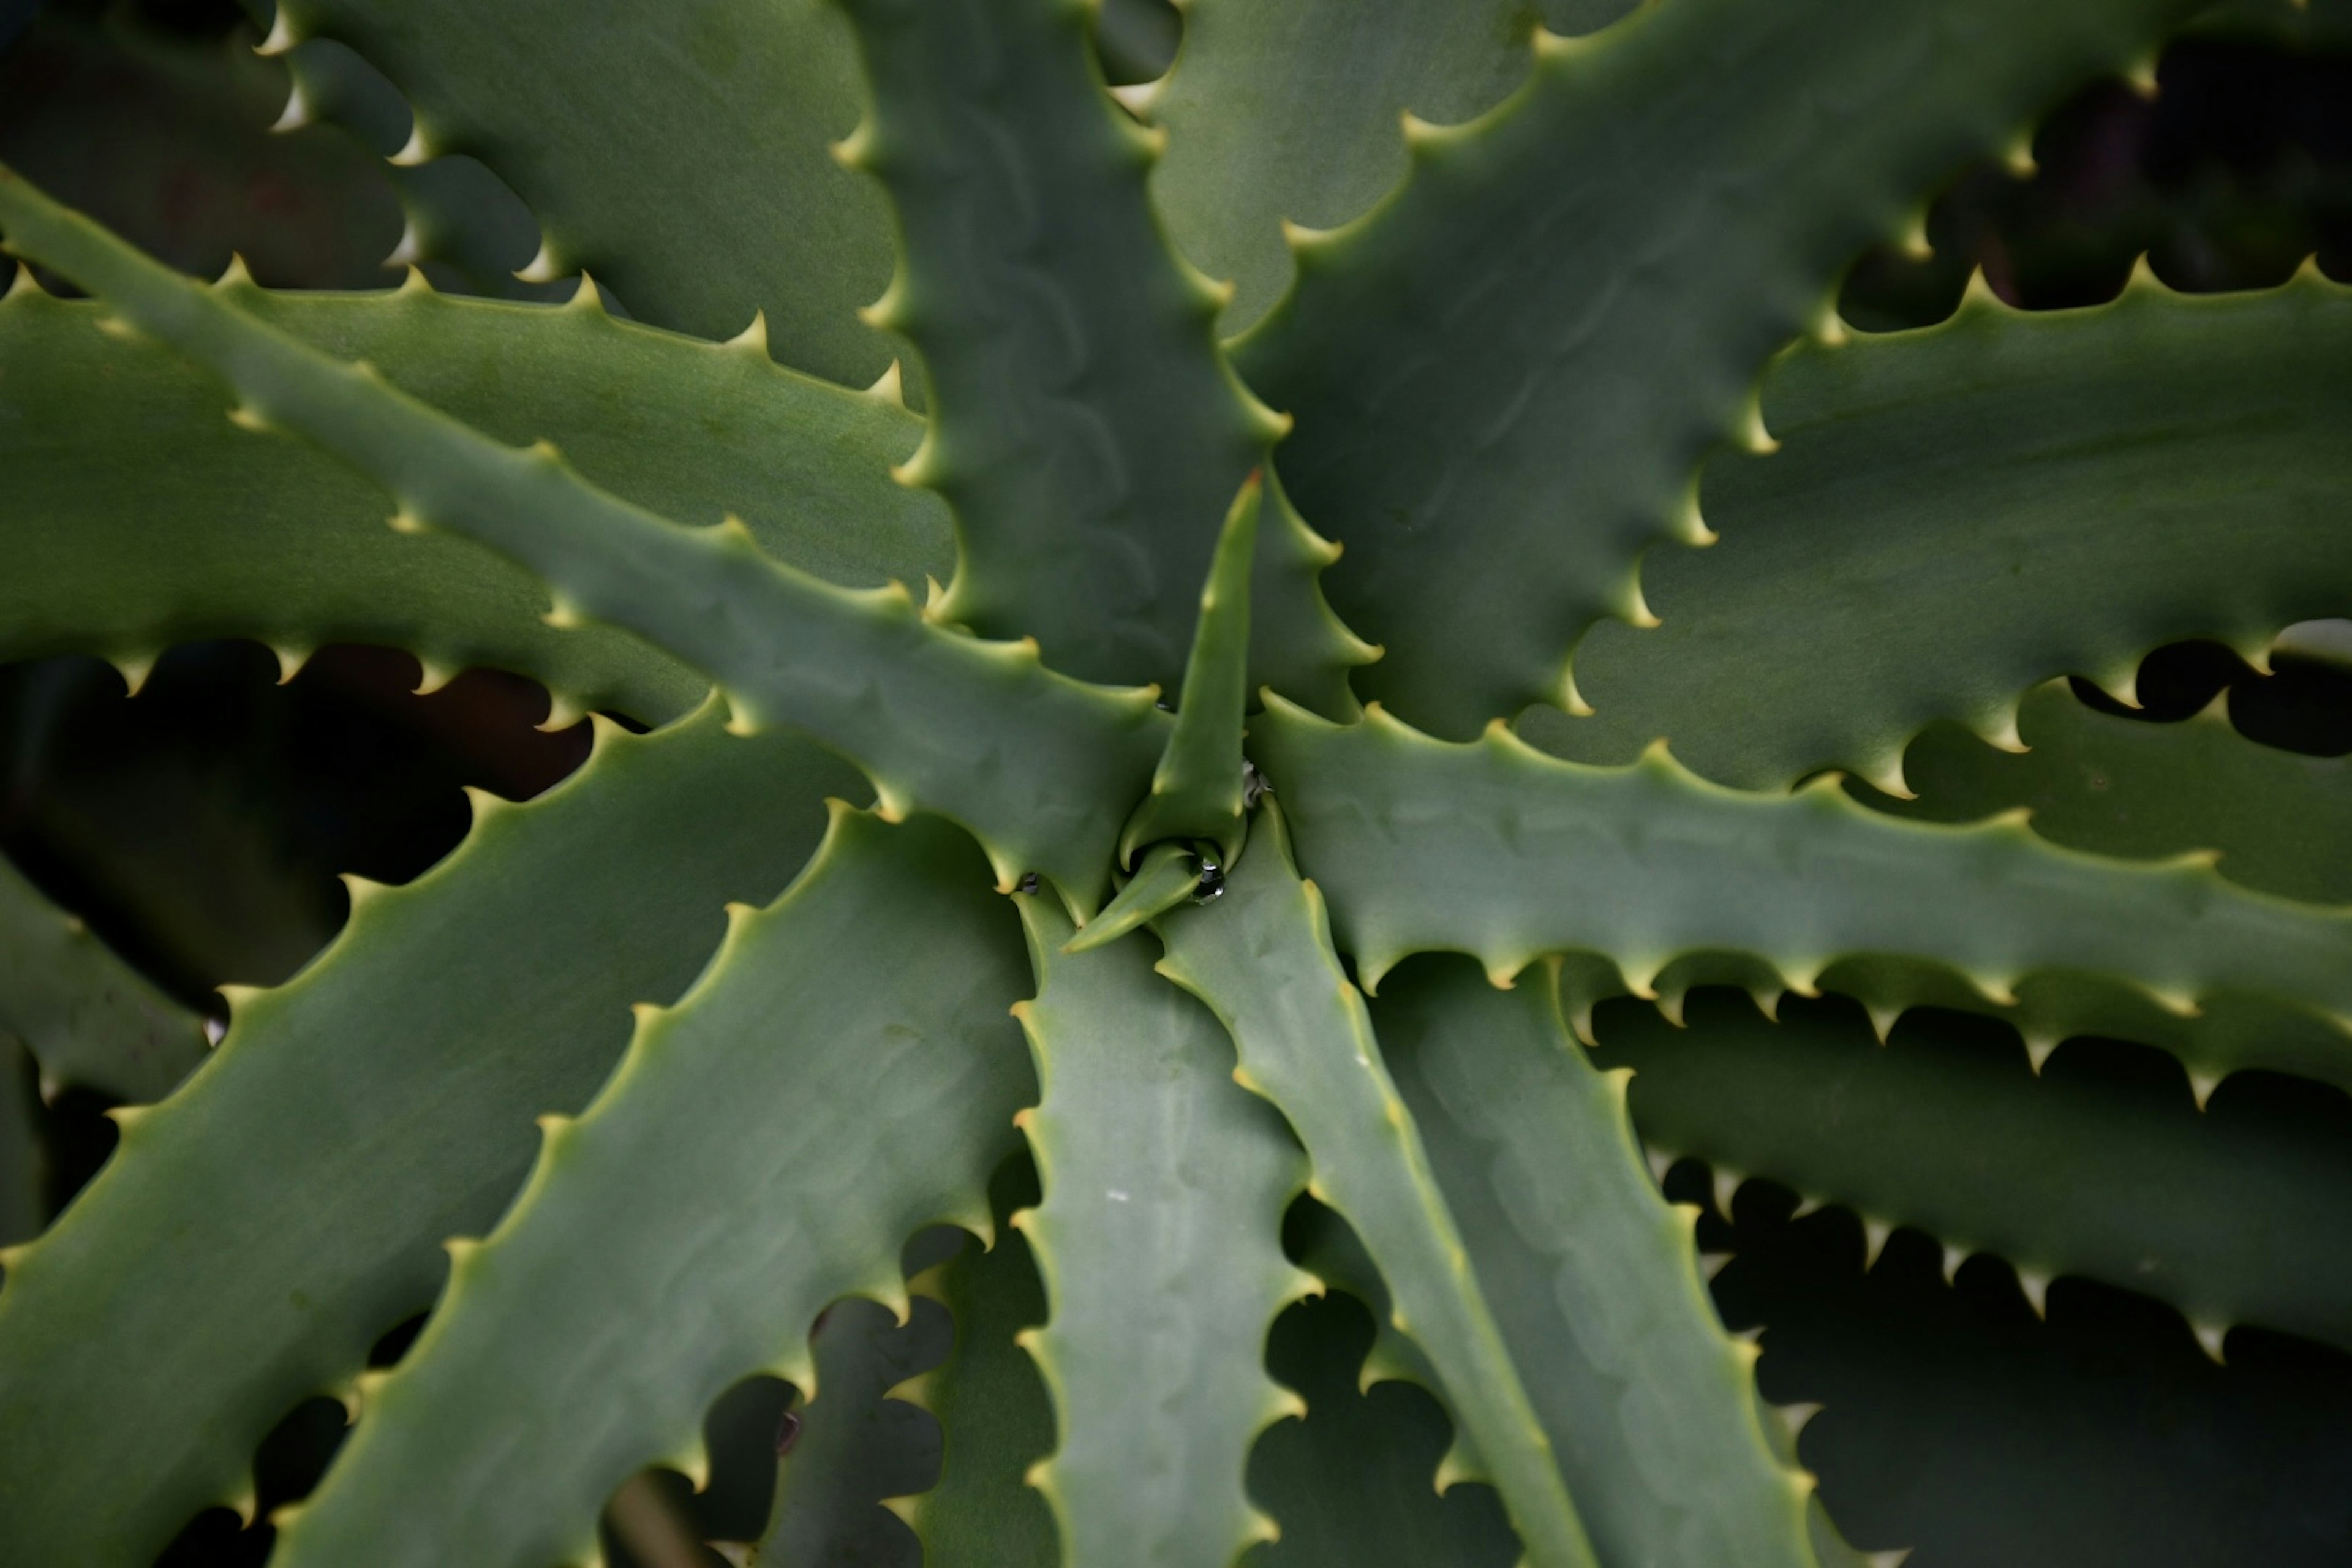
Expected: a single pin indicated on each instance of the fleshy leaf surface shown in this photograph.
(1505, 374)
(1651, 1406)
(842, 1074)
(1033, 762)
(1160, 1244)
(1494, 849)
(1086, 429)
(675, 149)
(88, 1017)
(2215, 1212)
(1959, 513)
(296, 1190)
(1261, 957)
(223, 531)
(2124, 786)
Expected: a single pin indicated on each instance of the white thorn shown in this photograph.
(1660, 1164)
(412, 150)
(1137, 97)
(1726, 1182)
(411, 248)
(2210, 1336)
(542, 268)
(2201, 1085)
(2036, 1285)
(1953, 1257)
(1712, 1263)
(1875, 1233)
(1894, 1558)
(1797, 1416)
(297, 112)
(1805, 1205)
(281, 36)
(2037, 1051)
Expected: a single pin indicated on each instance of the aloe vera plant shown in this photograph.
(1203, 888)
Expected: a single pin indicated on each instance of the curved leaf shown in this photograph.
(220, 532)
(1084, 428)
(2124, 786)
(1290, 112)
(88, 1017)
(1651, 1406)
(853, 1447)
(1493, 849)
(1505, 375)
(253, 1236)
(1158, 1241)
(841, 1074)
(2215, 1212)
(676, 151)
(995, 1416)
(1958, 513)
(1261, 958)
(1035, 763)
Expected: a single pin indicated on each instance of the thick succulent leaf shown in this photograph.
(1169, 874)
(1196, 791)
(1650, 1405)
(2124, 786)
(676, 151)
(1159, 1243)
(1505, 375)
(2217, 1212)
(1261, 957)
(1084, 429)
(88, 1017)
(842, 1074)
(1350, 1482)
(1038, 765)
(1958, 513)
(1493, 849)
(852, 1447)
(460, 220)
(221, 531)
(253, 1236)
(993, 1411)
(1291, 113)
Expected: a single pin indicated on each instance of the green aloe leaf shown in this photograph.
(1196, 791)
(223, 531)
(2214, 1213)
(1085, 428)
(88, 1017)
(842, 1074)
(1160, 1244)
(2124, 786)
(1292, 113)
(1505, 375)
(1261, 957)
(676, 151)
(995, 1416)
(1493, 849)
(853, 1448)
(1650, 1405)
(297, 1190)
(1927, 544)
(982, 732)
(1350, 1482)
